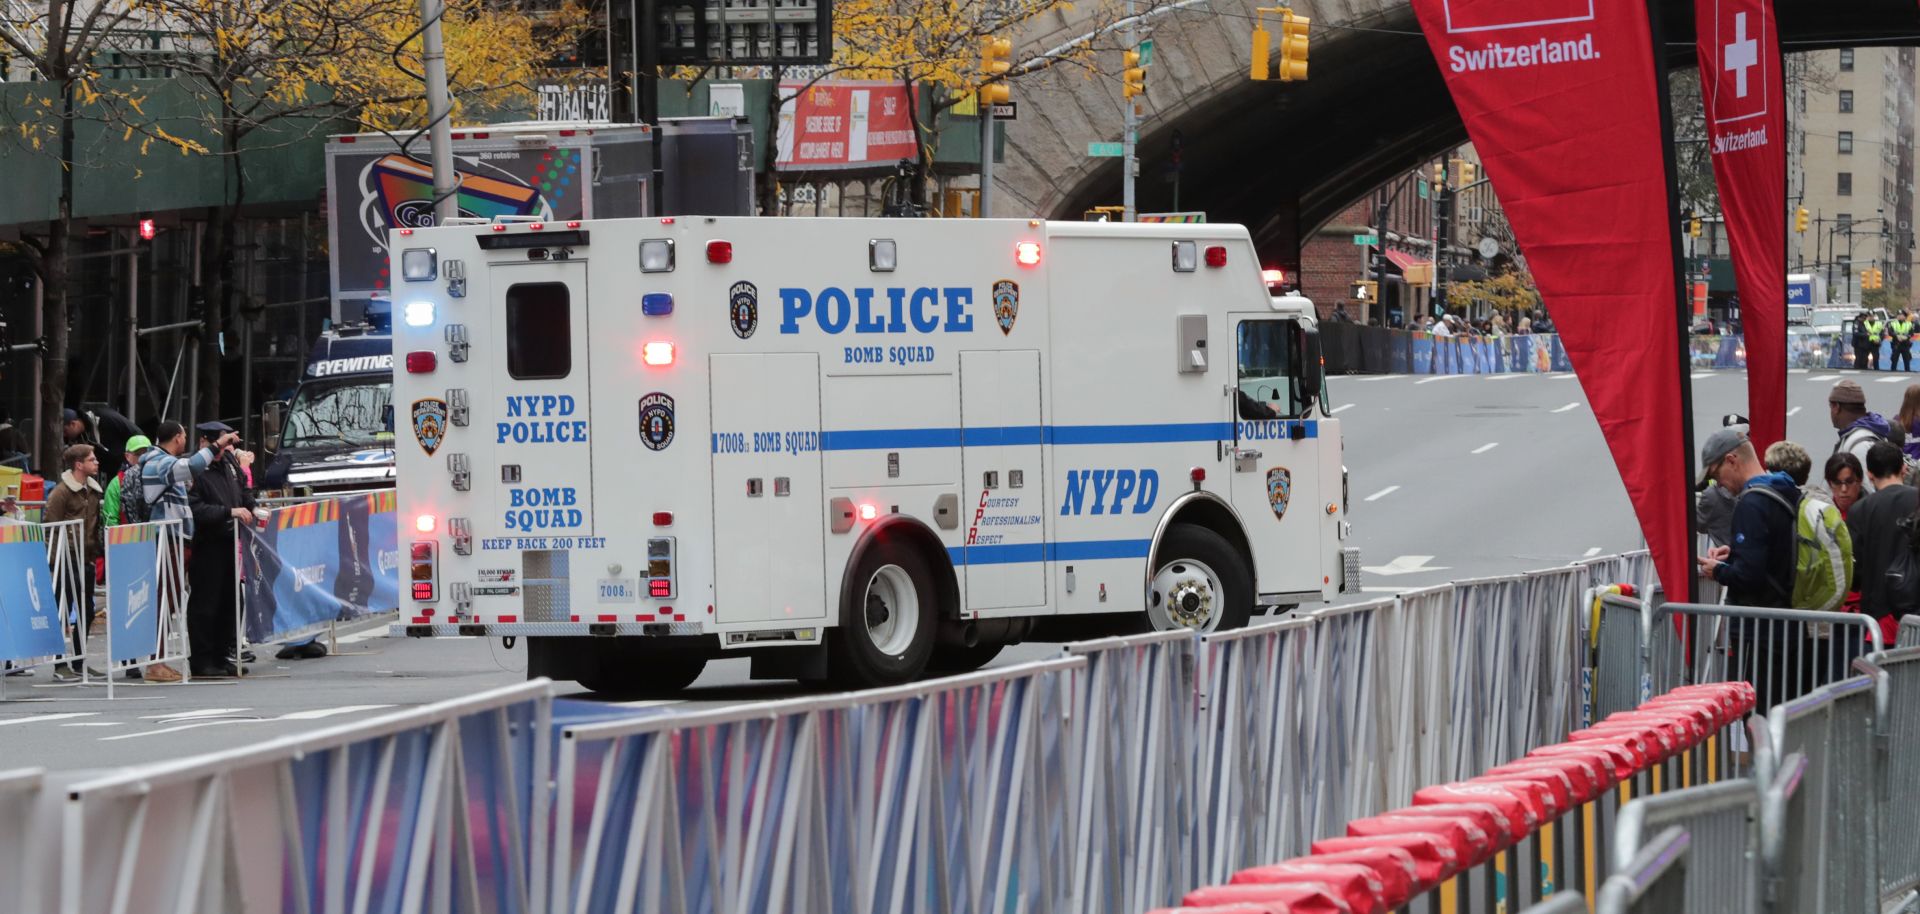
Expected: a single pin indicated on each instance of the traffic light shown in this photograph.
(1133, 76)
(1879, 279)
(1364, 290)
(1439, 176)
(1465, 172)
(1871, 278)
(1800, 219)
(1262, 68)
(993, 70)
(1293, 46)
(1694, 227)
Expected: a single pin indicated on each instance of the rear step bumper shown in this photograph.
(562, 629)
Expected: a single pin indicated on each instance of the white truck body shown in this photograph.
(1043, 423)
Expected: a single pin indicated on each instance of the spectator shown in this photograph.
(1845, 476)
(1340, 315)
(1907, 420)
(77, 497)
(218, 499)
(74, 430)
(1713, 503)
(1791, 459)
(1526, 326)
(1882, 536)
(1756, 568)
(164, 474)
(128, 480)
(1859, 429)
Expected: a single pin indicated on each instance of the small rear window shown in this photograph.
(539, 331)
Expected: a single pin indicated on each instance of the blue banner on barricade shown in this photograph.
(28, 606)
(325, 561)
(1422, 353)
(133, 592)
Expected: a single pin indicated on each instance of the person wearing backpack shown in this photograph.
(1859, 429)
(1757, 567)
(115, 507)
(1886, 567)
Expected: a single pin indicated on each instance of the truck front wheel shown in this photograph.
(1201, 584)
(888, 614)
(656, 675)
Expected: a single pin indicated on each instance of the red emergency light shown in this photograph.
(1216, 255)
(147, 230)
(1027, 253)
(719, 252)
(424, 523)
(657, 352)
(421, 361)
(1273, 277)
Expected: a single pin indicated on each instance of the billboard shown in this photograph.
(844, 124)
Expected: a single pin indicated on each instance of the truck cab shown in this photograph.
(335, 434)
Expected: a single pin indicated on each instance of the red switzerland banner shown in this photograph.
(844, 124)
(1745, 95)
(1563, 104)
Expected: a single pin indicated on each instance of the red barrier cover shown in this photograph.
(1393, 866)
(1359, 886)
(1622, 760)
(1433, 857)
(1583, 775)
(1299, 897)
(1471, 844)
(1502, 832)
(1545, 798)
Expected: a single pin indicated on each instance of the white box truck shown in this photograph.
(850, 448)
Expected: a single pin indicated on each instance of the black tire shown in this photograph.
(1192, 544)
(956, 659)
(855, 659)
(655, 675)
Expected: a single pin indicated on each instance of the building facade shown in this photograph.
(1856, 167)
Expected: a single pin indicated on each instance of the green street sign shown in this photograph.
(1364, 240)
(1146, 52)
(1106, 150)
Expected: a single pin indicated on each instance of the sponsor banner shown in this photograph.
(844, 124)
(325, 561)
(1745, 96)
(133, 591)
(29, 612)
(1563, 102)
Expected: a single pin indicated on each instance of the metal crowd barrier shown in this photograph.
(414, 811)
(946, 795)
(1909, 631)
(1654, 881)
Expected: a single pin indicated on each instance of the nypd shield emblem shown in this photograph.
(743, 309)
(656, 421)
(430, 423)
(1279, 490)
(1006, 304)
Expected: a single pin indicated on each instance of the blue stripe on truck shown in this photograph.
(1160, 433)
(1074, 551)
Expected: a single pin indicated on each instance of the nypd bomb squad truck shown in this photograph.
(850, 448)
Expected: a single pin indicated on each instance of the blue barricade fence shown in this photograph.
(307, 565)
(34, 624)
(1356, 349)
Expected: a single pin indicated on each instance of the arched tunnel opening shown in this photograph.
(1285, 158)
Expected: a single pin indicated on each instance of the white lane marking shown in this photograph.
(1590, 553)
(1893, 380)
(1377, 377)
(368, 635)
(1824, 377)
(185, 726)
(1792, 411)
(649, 703)
(189, 715)
(1702, 374)
(1566, 408)
(1382, 493)
(1405, 564)
(1503, 377)
(1796, 371)
(97, 723)
(1440, 377)
(318, 713)
(1565, 377)
(43, 718)
(1339, 408)
(1486, 447)
(1848, 371)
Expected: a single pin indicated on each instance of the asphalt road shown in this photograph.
(1452, 477)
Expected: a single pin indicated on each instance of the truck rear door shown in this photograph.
(542, 447)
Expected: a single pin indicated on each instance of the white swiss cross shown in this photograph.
(1741, 55)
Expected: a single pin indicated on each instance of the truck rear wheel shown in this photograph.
(888, 615)
(1202, 584)
(956, 658)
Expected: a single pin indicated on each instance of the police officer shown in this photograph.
(1903, 340)
(1875, 332)
(1859, 340)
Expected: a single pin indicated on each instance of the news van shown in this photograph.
(851, 448)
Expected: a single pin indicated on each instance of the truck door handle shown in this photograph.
(1247, 453)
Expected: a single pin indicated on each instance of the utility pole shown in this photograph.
(986, 162)
(1380, 264)
(446, 185)
(994, 66)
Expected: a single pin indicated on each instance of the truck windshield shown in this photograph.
(348, 411)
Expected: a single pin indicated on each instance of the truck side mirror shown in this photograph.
(273, 414)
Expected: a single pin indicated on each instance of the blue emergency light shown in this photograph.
(656, 304)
